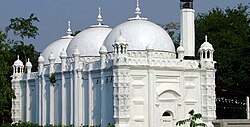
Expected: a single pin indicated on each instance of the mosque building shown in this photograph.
(129, 76)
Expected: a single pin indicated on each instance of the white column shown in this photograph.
(63, 91)
(90, 84)
(39, 101)
(151, 102)
(44, 101)
(76, 91)
(64, 101)
(188, 31)
(51, 102)
(28, 113)
(103, 100)
(71, 98)
(248, 110)
(80, 96)
(103, 88)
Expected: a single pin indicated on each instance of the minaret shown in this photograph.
(187, 27)
(16, 109)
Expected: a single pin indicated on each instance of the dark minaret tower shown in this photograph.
(187, 27)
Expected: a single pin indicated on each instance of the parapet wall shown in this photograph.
(232, 123)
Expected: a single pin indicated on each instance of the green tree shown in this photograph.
(229, 32)
(23, 27)
(173, 29)
(192, 120)
(10, 47)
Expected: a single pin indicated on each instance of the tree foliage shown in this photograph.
(173, 30)
(23, 27)
(10, 47)
(192, 120)
(228, 31)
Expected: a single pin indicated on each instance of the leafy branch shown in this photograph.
(192, 119)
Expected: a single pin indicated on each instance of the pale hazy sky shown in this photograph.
(54, 14)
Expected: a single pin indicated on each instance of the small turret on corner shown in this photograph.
(17, 68)
(120, 49)
(206, 55)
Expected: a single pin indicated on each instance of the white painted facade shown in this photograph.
(127, 86)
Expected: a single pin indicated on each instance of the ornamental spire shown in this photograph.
(99, 17)
(69, 32)
(137, 12)
(206, 38)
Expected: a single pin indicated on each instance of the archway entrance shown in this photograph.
(166, 119)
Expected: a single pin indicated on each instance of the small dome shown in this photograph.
(89, 41)
(63, 54)
(76, 52)
(18, 62)
(139, 33)
(103, 49)
(206, 45)
(28, 64)
(180, 49)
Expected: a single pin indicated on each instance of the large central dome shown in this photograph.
(140, 33)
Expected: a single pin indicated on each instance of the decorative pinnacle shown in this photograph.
(205, 38)
(28, 59)
(99, 17)
(137, 10)
(18, 57)
(69, 32)
(99, 20)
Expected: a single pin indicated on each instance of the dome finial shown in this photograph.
(137, 12)
(205, 38)
(69, 32)
(99, 17)
(17, 57)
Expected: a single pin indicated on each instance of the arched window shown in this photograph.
(208, 54)
(121, 49)
(204, 55)
(166, 114)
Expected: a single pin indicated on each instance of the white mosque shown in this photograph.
(129, 76)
